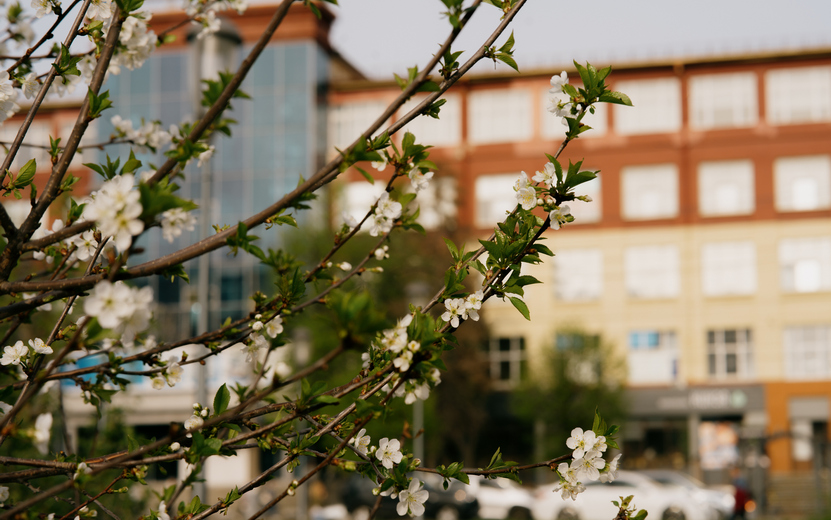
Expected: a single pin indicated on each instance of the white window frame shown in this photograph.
(726, 188)
(495, 197)
(718, 350)
(657, 106)
(798, 179)
(652, 272)
(649, 192)
(643, 359)
(723, 100)
(728, 268)
(499, 116)
(514, 356)
(805, 264)
(578, 274)
(807, 352)
(349, 119)
(442, 132)
(798, 95)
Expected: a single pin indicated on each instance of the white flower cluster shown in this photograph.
(257, 342)
(382, 252)
(16, 354)
(8, 97)
(149, 135)
(100, 10)
(420, 181)
(171, 374)
(526, 195)
(414, 390)
(121, 307)
(175, 221)
(204, 12)
(116, 209)
(386, 211)
(559, 103)
(559, 216)
(195, 421)
(463, 308)
(411, 500)
(42, 7)
(136, 42)
(587, 464)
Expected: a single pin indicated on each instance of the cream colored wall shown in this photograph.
(691, 314)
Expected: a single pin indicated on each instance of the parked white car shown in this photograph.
(501, 498)
(719, 502)
(595, 503)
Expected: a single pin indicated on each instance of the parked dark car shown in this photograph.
(454, 503)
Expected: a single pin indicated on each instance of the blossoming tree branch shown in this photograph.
(81, 267)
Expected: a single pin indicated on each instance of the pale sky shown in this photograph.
(385, 36)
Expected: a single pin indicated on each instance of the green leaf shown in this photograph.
(508, 60)
(25, 175)
(366, 175)
(521, 307)
(454, 251)
(221, 399)
(617, 98)
(508, 46)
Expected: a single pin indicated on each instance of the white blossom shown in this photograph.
(345, 266)
(39, 346)
(547, 176)
(43, 432)
(85, 245)
(526, 195)
(382, 252)
(402, 362)
(569, 485)
(110, 303)
(157, 382)
(204, 156)
(420, 181)
(210, 24)
(389, 452)
(282, 369)
(417, 392)
(14, 355)
(83, 469)
(174, 372)
(4, 494)
(610, 473)
(175, 221)
(99, 10)
(380, 165)
(559, 216)
(455, 310)
(589, 465)
(274, 327)
(116, 208)
(30, 85)
(361, 441)
(411, 500)
(162, 513)
(473, 303)
(581, 442)
(194, 422)
(558, 81)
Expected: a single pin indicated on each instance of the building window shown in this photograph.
(798, 95)
(349, 120)
(507, 359)
(578, 274)
(723, 101)
(652, 271)
(807, 351)
(650, 192)
(652, 357)
(499, 116)
(357, 197)
(803, 183)
(445, 131)
(728, 268)
(495, 197)
(37, 135)
(805, 264)
(552, 127)
(588, 212)
(726, 188)
(659, 106)
(730, 353)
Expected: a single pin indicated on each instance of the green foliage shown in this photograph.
(67, 64)
(159, 197)
(242, 240)
(24, 178)
(453, 470)
(221, 399)
(98, 103)
(128, 6)
(507, 467)
(579, 377)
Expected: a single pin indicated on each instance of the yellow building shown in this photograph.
(705, 256)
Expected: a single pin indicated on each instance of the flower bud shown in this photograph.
(175, 446)
(204, 412)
